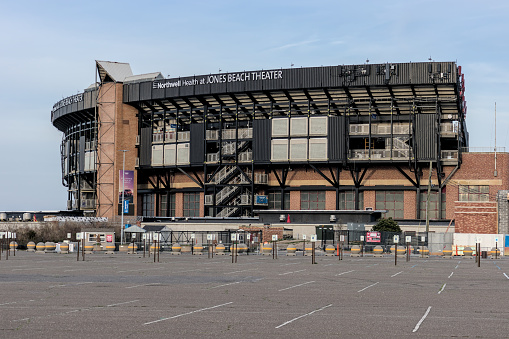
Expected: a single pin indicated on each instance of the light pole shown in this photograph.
(123, 191)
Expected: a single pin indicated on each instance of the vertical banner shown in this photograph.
(128, 185)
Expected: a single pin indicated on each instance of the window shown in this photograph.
(147, 205)
(392, 201)
(191, 204)
(275, 201)
(433, 205)
(312, 200)
(474, 193)
(347, 200)
(167, 207)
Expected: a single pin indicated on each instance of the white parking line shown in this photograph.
(443, 287)
(302, 316)
(125, 302)
(450, 275)
(183, 314)
(396, 274)
(422, 319)
(143, 285)
(284, 289)
(344, 273)
(14, 302)
(233, 283)
(506, 276)
(365, 288)
(291, 272)
(240, 271)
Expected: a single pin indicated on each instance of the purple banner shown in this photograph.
(128, 184)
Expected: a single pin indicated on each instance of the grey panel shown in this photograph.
(337, 138)
(146, 146)
(425, 137)
(82, 154)
(146, 91)
(197, 146)
(261, 140)
(134, 92)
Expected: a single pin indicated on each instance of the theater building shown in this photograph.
(232, 145)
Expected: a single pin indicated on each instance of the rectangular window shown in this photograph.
(392, 201)
(280, 127)
(347, 200)
(147, 205)
(279, 150)
(298, 149)
(474, 193)
(433, 205)
(167, 206)
(191, 204)
(312, 200)
(275, 201)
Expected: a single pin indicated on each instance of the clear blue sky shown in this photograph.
(48, 48)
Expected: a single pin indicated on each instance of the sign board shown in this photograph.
(193, 236)
(396, 239)
(234, 237)
(248, 236)
(261, 200)
(144, 236)
(362, 238)
(209, 236)
(69, 235)
(496, 239)
(341, 237)
(274, 237)
(408, 238)
(126, 207)
(133, 235)
(109, 238)
(423, 238)
(304, 237)
(79, 236)
(313, 237)
(373, 236)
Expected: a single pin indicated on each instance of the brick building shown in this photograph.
(325, 138)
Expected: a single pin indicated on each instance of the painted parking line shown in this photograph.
(442, 289)
(365, 288)
(506, 276)
(76, 310)
(143, 285)
(284, 289)
(292, 263)
(233, 283)
(122, 303)
(239, 271)
(392, 276)
(450, 275)
(302, 316)
(422, 319)
(183, 314)
(291, 272)
(344, 273)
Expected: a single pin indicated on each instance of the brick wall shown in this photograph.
(475, 217)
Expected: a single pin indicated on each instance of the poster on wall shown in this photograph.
(128, 186)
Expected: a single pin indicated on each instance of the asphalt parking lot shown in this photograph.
(54, 296)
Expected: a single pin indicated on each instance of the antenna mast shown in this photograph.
(495, 173)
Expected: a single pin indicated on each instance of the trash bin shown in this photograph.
(484, 254)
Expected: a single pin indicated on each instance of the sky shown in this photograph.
(48, 51)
